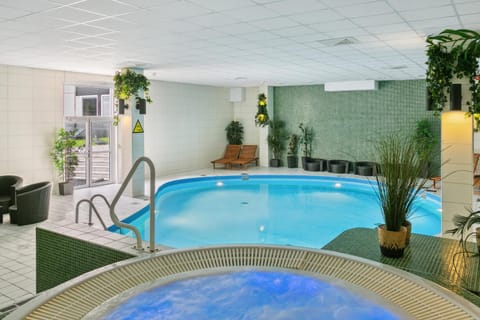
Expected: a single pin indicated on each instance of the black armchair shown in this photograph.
(31, 204)
(8, 184)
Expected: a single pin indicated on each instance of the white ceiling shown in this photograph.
(230, 42)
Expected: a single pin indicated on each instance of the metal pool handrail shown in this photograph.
(120, 224)
(91, 206)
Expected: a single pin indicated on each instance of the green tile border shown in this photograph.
(61, 258)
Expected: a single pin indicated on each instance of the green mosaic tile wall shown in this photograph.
(61, 258)
(347, 124)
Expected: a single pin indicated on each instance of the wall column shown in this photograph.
(131, 146)
(457, 166)
(263, 152)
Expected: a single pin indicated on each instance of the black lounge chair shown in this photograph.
(8, 184)
(32, 203)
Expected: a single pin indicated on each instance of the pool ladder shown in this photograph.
(111, 206)
(92, 207)
(120, 224)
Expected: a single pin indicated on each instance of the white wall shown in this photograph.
(185, 126)
(245, 112)
(31, 110)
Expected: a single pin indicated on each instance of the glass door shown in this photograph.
(93, 147)
(100, 154)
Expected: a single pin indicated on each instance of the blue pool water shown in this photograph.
(255, 295)
(283, 210)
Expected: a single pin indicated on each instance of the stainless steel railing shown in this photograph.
(120, 224)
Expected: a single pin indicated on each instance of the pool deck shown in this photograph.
(436, 259)
(17, 243)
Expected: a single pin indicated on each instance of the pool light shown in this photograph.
(219, 184)
(338, 185)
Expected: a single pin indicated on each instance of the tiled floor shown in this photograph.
(17, 243)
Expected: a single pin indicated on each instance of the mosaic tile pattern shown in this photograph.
(61, 258)
(347, 124)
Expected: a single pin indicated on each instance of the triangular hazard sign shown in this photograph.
(138, 127)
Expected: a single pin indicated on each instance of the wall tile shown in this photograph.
(347, 124)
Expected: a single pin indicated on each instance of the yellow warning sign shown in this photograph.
(138, 127)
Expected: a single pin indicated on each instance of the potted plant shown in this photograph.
(462, 226)
(276, 138)
(292, 158)
(397, 186)
(234, 132)
(129, 83)
(65, 159)
(306, 139)
(261, 118)
(424, 142)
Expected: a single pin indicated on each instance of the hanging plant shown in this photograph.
(261, 118)
(128, 83)
(453, 53)
(439, 75)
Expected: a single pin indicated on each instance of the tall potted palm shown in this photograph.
(65, 159)
(398, 182)
(292, 159)
(276, 141)
(306, 140)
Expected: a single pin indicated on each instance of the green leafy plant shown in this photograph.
(276, 138)
(129, 83)
(306, 139)
(293, 145)
(234, 132)
(424, 139)
(398, 182)
(62, 154)
(453, 53)
(261, 118)
(463, 224)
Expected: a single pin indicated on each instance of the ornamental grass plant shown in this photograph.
(399, 180)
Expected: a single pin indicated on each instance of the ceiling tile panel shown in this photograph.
(215, 41)
(12, 13)
(405, 5)
(105, 7)
(366, 9)
(468, 7)
(223, 5)
(429, 13)
(72, 14)
(288, 7)
(29, 5)
(321, 16)
(213, 20)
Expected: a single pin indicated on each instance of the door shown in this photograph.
(93, 147)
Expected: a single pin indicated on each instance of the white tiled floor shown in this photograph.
(17, 243)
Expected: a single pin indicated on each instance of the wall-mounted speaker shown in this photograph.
(456, 96)
(428, 100)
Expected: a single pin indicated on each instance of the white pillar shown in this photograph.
(131, 147)
(263, 153)
(457, 166)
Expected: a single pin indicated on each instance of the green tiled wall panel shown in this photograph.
(61, 258)
(347, 124)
